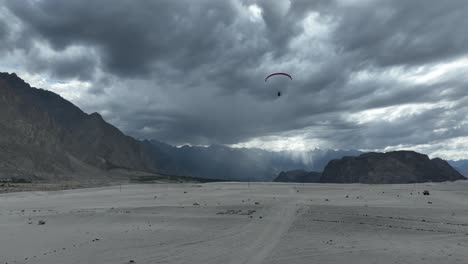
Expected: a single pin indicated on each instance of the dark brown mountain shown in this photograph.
(299, 176)
(391, 167)
(43, 135)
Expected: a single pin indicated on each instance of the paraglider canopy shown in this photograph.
(278, 73)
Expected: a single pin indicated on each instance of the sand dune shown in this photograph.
(235, 223)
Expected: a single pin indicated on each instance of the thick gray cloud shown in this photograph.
(3, 30)
(367, 74)
(403, 32)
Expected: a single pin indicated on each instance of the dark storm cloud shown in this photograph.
(63, 66)
(403, 32)
(37, 57)
(3, 30)
(192, 71)
(132, 36)
(3, 37)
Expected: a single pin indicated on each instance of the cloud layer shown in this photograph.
(367, 74)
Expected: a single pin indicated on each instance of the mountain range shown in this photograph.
(45, 137)
(244, 164)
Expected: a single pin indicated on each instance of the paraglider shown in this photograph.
(278, 73)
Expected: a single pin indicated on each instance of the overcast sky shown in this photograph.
(367, 74)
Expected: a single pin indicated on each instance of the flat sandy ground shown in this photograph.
(235, 223)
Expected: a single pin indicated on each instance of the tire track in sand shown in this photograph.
(269, 234)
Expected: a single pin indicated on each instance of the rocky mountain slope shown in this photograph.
(44, 135)
(391, 167)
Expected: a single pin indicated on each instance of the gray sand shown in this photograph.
(232, 223)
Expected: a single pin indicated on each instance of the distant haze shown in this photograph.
(367, 75)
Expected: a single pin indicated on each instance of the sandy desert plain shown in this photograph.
(237, 223)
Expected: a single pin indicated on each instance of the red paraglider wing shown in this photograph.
(278, 73)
